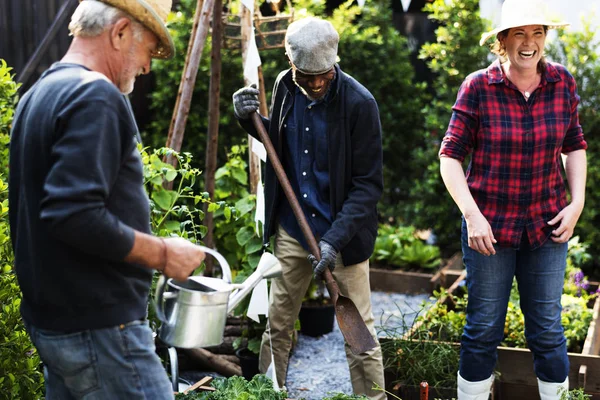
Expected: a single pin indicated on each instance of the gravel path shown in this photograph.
(318, 365)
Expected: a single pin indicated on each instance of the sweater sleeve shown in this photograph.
(87, 154)
(367, 177)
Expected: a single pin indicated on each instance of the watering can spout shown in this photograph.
(268, 267)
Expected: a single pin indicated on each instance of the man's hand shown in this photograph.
(245, 101)
(181, 258)
(328, 257)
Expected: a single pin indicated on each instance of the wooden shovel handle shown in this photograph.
(289, 193)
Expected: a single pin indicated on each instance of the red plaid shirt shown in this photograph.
(515, 173)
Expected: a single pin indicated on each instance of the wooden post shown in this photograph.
(253, 160)
(213, 123)
(188, 79)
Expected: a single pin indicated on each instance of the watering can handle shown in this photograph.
(162, 283)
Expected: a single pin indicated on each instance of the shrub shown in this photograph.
(455, 55)
(579, 51)
(20, 368)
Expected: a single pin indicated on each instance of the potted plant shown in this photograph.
(317, 313)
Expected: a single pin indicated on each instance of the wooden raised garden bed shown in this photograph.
(411, 282)
(517, 380)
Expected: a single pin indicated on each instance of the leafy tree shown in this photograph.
(579, 51)
(455, 55)
(20, 367)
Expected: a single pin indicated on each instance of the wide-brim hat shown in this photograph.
(522, 13)
(153, 15)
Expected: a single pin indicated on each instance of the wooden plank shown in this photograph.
(400, 281)
(592, 342)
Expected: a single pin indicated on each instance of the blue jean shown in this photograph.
(111, 363)
(540, 277)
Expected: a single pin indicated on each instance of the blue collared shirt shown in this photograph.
(305, 160)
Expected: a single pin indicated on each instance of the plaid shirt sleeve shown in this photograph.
(574, 137)
(460, 136)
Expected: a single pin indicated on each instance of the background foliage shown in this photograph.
(20, 369)
(580, 53)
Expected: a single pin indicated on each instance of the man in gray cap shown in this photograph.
(79, 215)
(326, 129)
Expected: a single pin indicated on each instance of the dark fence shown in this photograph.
(24, 24)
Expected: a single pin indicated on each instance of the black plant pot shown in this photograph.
(248, 362)
(316, 320)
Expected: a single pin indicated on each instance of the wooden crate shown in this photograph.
(399, 281)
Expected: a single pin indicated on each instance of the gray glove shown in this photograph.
(328, 256)
(245, 102)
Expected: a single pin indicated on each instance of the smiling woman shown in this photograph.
(516, 215)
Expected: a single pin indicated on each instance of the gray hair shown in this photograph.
(93, 17)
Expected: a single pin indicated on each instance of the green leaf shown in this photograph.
(171, 175)
(254, 245)
(162, 198)
(244, 235)
(245, 205)
(173, 226)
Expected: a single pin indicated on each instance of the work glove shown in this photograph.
(328, 256)
(245, 101)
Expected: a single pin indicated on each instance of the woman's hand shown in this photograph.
(480, 235)
(568, 218)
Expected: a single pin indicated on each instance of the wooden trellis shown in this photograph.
(269, 30)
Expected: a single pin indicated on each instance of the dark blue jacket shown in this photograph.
(355, 163)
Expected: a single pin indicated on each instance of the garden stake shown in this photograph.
(424, 391)
(351, 324)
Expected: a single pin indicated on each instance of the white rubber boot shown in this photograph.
(549, 390)
(474, 390)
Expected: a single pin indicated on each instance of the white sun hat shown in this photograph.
(522, 13)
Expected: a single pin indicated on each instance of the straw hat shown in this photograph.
(522, 13)
(153, 15)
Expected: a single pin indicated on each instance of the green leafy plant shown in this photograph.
(20, 367)
(399, 246)
(574, 394)
(178, 211)
(238, 388)
(579, 51)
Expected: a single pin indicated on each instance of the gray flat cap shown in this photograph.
(311, 45)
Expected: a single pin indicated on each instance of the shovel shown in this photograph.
(351, 324)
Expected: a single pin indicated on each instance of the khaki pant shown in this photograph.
(287, 292)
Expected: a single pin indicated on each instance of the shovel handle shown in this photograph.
(289, 193)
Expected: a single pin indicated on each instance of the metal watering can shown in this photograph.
(193, 312)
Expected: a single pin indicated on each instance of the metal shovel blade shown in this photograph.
(348, 317)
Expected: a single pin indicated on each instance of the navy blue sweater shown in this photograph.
(75, 196)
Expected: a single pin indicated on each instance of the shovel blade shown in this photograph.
(353, 327)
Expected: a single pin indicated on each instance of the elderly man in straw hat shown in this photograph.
(326, 128)
(516, 118)
(79, 215)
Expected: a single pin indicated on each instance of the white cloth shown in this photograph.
(259, 302)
